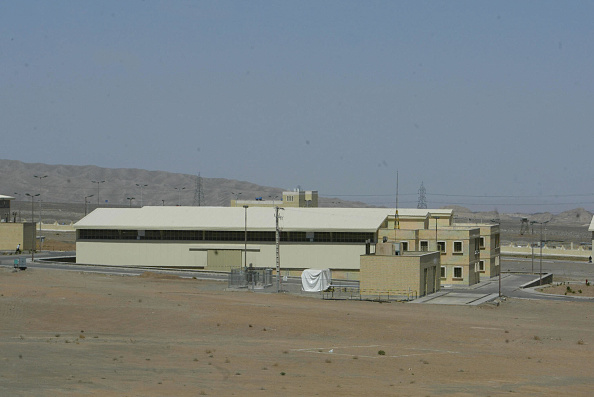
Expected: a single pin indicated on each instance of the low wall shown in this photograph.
(576, 253)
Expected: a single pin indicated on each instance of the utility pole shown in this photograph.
(40, 177)
(98, 182)
(140, 185)
(278, 280)
(33, 245)
(396, 219)
(245, 207)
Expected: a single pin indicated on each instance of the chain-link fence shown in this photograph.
(254, 278)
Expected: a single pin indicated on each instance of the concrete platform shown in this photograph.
(456, 298)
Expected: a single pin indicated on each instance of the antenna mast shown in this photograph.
(198, 192)
(422, 203)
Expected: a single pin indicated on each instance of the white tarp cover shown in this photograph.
(314, 280)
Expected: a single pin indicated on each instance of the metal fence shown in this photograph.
(254, 278)
(350, 292)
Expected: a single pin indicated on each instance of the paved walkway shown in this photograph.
(488, 291)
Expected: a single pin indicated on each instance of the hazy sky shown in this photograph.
(490, 104)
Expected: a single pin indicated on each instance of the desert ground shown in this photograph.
(72, 334)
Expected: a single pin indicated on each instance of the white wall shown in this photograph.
(174, 254)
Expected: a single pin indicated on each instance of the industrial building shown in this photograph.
(223, 238)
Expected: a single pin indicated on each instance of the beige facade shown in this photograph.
(213, 238)
(220, 256)
(412, 274)
(13, 234)
(489, 246)
(290, 199)
(210, 238)
(464, 249)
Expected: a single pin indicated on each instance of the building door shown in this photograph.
(223, 260)
(425, 271)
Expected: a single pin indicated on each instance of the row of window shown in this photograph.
(458, 246)
(458, 270)
(218, 235)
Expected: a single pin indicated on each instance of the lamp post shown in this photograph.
(541, 243)
(98, 182)
(236, 196)
(141, 186)
(86, 197)
(179, 189)
(245, 207)
(40, 177)
(18, 194)
(130, 200)
(33, 228)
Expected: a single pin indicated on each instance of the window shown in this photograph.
(482, 242)
(441, 246)
(481, 266)
(457, 247)
(404, 246)
(289, 198)
(443, 272)
(424, 245)
(457, 272)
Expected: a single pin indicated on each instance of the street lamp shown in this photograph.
(97, 182)
(33, 228)
(18, 194)
(236, 195)
(141, 186)
(541, 242)
(86, 197)
(245, 207)
(179, 189)
(130, 199)
(40, 177)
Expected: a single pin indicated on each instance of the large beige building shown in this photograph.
(221, 238)
(218, 238)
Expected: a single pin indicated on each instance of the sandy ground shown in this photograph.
(72, 334)
(570, 289)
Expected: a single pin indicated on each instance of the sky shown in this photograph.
(490, 105)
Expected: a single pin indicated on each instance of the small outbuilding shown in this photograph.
(390, 272)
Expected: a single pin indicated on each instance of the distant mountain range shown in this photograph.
(71, 183)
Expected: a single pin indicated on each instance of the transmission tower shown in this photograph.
(422, 204)
(199, 192)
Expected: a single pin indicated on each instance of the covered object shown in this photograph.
(314, 280)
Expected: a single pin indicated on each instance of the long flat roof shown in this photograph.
(233, 218)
